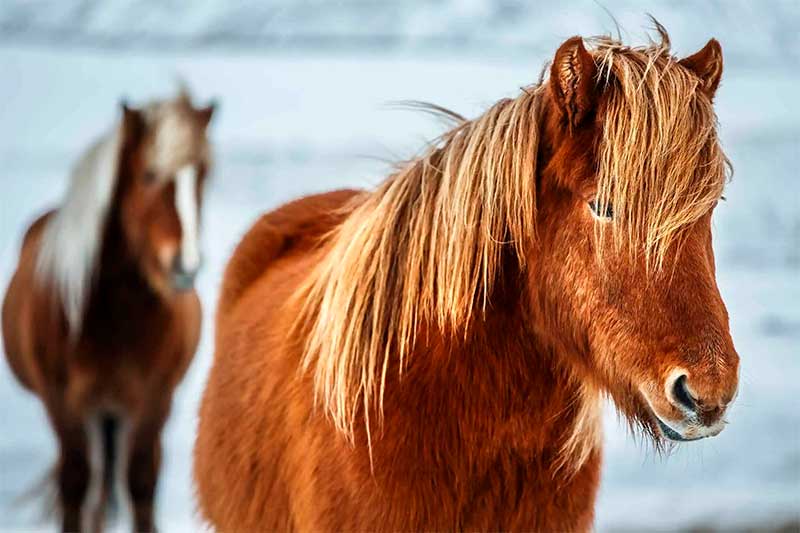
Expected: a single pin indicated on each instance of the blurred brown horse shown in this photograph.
(431, 355)
(100, 319)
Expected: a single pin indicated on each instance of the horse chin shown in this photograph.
(634, 409)
(168, 284)
(160, 283)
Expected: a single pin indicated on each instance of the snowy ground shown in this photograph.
(292, 124)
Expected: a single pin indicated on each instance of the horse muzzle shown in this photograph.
(182, 276)
(183, 281)
(691, 416)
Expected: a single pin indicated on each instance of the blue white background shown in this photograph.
(306, 90)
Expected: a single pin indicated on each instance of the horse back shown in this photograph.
(291, 228)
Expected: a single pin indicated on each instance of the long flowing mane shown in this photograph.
(427, 247)
(71, 241)
(423, 248)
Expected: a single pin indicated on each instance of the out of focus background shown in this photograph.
(306, 91)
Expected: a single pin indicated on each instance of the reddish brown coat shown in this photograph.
(495, 425)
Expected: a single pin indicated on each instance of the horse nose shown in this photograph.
(182, 278)
(707, 408)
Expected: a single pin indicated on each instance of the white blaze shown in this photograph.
(186, 205)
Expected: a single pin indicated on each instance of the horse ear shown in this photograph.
(132, 121)
(572, 81)
(707, 64)
(204, 114)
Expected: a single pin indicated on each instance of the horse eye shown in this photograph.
(149, 176)
(602, 211)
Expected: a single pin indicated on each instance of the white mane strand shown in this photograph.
(72, 239)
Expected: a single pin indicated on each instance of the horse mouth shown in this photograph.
(671, 434)
(665, 429)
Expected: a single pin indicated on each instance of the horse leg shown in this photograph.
(73, 473)
(143, 468)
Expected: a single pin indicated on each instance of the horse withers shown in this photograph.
(100, 319)
(432, 355)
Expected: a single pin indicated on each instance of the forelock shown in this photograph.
(660, 163)
(174, 138)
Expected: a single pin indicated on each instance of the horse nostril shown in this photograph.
(681, 394)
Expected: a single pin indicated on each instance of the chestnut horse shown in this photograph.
(432, 355)
(100, 319)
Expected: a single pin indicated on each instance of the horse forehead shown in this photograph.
(175, 143)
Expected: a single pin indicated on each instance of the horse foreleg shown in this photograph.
(143, 468)
(73, 474)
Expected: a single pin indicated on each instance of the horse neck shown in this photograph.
(119, 274)
(503, 386)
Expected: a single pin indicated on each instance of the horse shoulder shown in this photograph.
(185, 333)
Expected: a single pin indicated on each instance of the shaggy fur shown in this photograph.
(426, 247)
(432, 354)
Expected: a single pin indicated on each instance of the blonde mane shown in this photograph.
(425, 248)
(70, 245)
